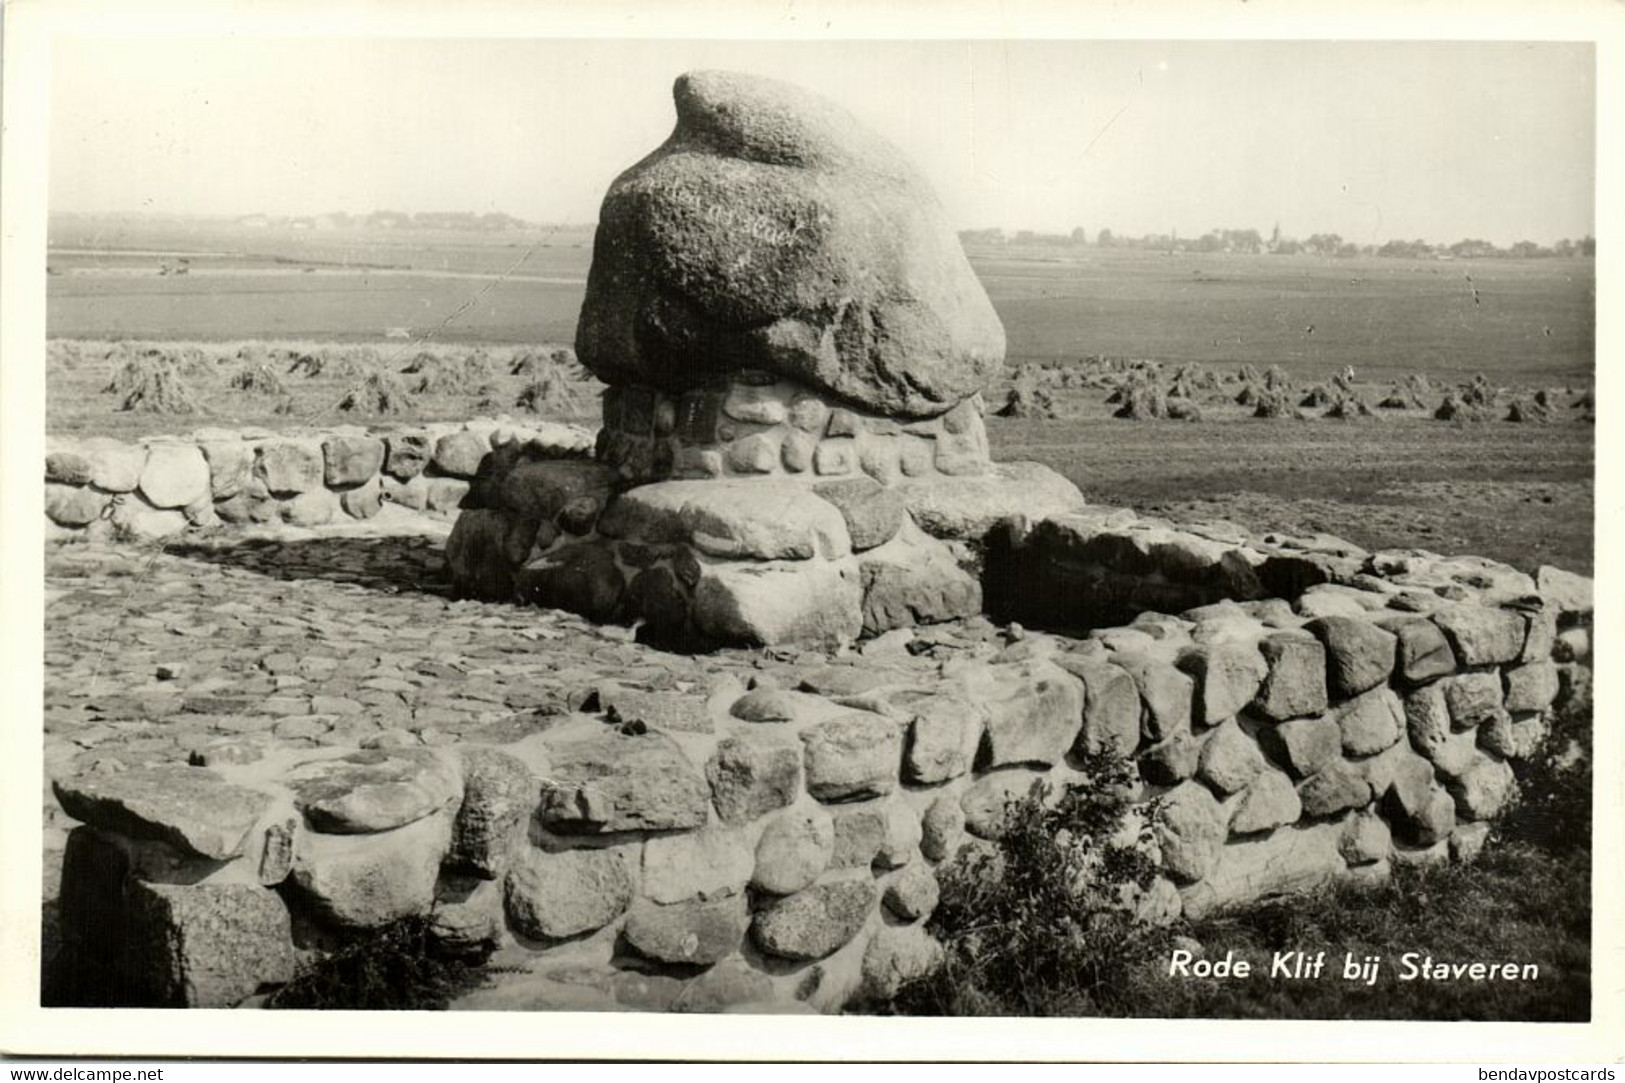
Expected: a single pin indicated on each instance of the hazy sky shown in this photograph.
(1374, 141)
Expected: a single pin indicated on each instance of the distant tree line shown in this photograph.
(492, 221)
(1251, 242)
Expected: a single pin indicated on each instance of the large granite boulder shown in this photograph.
(772, 231)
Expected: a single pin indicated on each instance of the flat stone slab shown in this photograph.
(738, 519)
(373, 790)
(612, 782)
(969, 507)
(189, 807)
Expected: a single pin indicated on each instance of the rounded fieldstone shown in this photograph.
(372, 880)
(689, 933)
(986, 802)
(1190, 832)
(552, 896)
(913, 893)
(363, 502)
(751, 775)
(115, 466)
(459, 454)
(794, 850)
(1271, 801)
(499, 795)
(872, 512)
(408, 454)
(854, 756)
(753, 454)
(314, 508)
(1359, 655)
(289, 467)
(897, 956)
(1334, 788)
(581, 578)
(351, 460)
(816, 922)
(1230, 759)
(70, 505)
(175, 475)
(707, 864)
(942, 828)
(69, 467)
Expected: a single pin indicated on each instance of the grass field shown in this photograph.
(1521, 493)
(1517, 321)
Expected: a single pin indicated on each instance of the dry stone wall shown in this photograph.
(162, 486)
(773, 846)
(754, 425)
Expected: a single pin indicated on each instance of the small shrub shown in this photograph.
(397, 968)
(1042, 924)
(1553, 813)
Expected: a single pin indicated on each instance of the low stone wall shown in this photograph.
(764, 848)
(1097, 566)
(164, 485)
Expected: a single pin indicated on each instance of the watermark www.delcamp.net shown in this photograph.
(88, 1075)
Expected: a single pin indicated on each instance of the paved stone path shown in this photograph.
(214, 649)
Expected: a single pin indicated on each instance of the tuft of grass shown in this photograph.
(399, 967)
(1020, 942)
(1515, 904)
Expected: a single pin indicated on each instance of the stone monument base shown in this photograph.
(733, 560)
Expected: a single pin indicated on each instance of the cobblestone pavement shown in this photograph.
(211, 650)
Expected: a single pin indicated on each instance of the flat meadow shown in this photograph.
(1522, 493)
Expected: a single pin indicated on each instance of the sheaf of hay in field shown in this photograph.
(377, 394)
